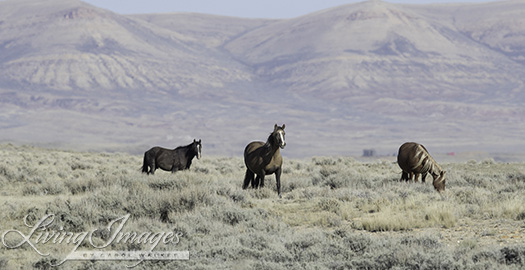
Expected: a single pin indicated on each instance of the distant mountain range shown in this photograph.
(365, 75)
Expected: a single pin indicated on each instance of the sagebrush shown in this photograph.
(336, 212)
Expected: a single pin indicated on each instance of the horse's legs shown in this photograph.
(261, 184)
(278, 180)
(416, 176)
(423, 176)
(256, 181)
(404, 176)
(248, 177)
(152, 167)
(413, 177)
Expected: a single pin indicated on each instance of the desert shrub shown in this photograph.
(45, 263)
(7, 173)
(64, 215)
(388, 222)
(491, 257)
(328, 220)
(307, 193)
(305, 246)
(511, 208)
(159, 205)
(234, 216)
(294, 181)
(487, 257)
(426, 241)
(323, 161)
(52, 188)
(235, 194)
(357, 243)
(514, 255)
(31, 190)
(411, 252)
(79, 165)
(516, 177)
(43, 188)
(101, 206)
(162, 183)
(470, 195)
(331, 211)
(80, 185)
(112, 198)
(348, 173)
(262, 193)
(254, 218)
(188, 200)
(265, 265)
(330, 205)
(440, 215)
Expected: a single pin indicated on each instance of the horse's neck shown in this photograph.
(190, 154)
(182, 153)
(435, 170)
(271, 148)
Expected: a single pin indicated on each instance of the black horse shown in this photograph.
(174, 160)
(264, 159)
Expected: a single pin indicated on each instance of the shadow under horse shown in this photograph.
(264, 159)
(174, 160)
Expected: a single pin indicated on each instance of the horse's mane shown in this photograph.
(184, 147)
(431, 158)
(269, 141)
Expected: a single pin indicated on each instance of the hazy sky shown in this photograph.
(241, 8)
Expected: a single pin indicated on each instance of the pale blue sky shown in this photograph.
(241, 8)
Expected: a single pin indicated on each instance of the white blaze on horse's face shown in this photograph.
(281, 141)
(199, 147)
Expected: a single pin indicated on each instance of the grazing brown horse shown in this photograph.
(414, 159)
(264, 159)
(171, 160)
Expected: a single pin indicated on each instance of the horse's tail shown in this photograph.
(248, 178)
(145, 165)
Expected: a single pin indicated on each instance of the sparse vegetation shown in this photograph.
(336, 212)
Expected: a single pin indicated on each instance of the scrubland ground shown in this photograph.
(336, 213)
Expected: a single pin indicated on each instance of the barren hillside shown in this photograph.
(371, 74)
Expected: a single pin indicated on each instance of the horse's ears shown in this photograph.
(199, 141)
(194, 141)
(283, 126)
(275, 128)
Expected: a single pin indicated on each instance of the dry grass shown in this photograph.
(336, 212)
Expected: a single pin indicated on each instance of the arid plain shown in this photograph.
(336, 212)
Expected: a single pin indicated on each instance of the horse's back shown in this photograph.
(158, 153)
(252, 147)
(410, 156)
(154, 150)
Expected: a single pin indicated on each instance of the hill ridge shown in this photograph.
(370, 74)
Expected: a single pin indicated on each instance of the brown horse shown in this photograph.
(414, 159)
(264, 159)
